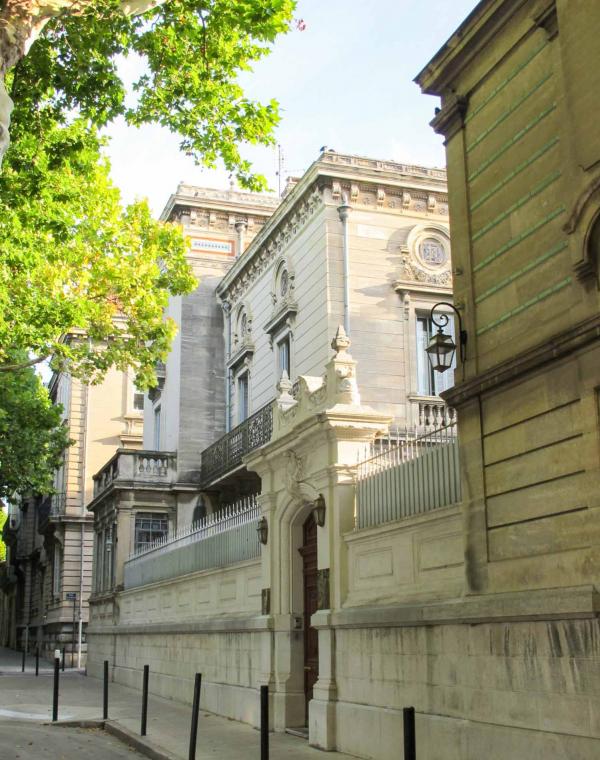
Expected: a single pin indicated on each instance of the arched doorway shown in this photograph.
(308, 551)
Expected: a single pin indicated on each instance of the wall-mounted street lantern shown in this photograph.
(318, 510)
(263, 530)
(441, 347)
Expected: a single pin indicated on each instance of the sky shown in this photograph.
(345, 82)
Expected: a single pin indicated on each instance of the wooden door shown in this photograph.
(311, 641)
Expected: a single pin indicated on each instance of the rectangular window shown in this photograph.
(56, 571)
(283, 356)
(138, 399)
(430, 382)
(99, 568)
(149, 527)
(107, 559)
(157, 421)
(243, 397)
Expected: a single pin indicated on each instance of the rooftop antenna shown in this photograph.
(279, 168)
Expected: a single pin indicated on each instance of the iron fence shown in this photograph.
(405, 476)
(216, 540)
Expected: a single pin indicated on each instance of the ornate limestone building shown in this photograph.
(518, 83)
(237, 524)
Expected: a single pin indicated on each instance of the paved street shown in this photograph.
(30, 741)
(27, 698)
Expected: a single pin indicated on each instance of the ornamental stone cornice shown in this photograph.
(266, 247)
(370, 183)
(235, 201)
(284, 316)
(575, 338)
(476, 32)
(243, 355)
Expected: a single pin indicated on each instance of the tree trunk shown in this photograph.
(21, 22)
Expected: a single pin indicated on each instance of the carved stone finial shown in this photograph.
(341, 342)
(284, 388)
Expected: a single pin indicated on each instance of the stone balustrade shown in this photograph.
(429, 412)
(132, 466)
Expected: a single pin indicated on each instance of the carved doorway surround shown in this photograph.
(308, 552)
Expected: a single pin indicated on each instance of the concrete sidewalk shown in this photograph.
(25, 697)
(11, 662)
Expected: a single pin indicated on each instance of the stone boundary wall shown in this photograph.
(420, 557)
(228, 660)
(206, 622)
(494, 690)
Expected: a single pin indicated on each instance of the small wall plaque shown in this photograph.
(265, 601)
(323, 589)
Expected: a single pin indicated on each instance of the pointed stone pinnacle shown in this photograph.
(341, 341)
(285, 384)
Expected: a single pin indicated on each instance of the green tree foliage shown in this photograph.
(3, 518)
(32, 438)
(74, 262)
(193, 50)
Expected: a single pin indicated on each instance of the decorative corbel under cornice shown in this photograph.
(450, 118)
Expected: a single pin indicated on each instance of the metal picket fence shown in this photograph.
(405, 476)
(216, 540)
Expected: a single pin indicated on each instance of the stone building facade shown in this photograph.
(518, 84)
(50, 538)
(154, 490)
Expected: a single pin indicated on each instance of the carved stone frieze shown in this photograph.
(409, 270)
(274, 245)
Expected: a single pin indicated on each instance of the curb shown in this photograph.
(137, 742)
(119, 732)
(91, 723)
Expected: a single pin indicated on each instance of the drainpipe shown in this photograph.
(227, 311)
(343, 212)
(82, 535)
(240, 228)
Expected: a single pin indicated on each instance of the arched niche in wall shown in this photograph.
(242, 327)
(283, 297)
(584, 225)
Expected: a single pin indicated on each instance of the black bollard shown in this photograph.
(105, 695)
(145, 700)
(23, 662)
(63, 660)
(264, 723)
(410, 748)
(37, 661)
(195, 711)
(55, 694)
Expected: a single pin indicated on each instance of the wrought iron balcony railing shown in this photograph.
(226, 454)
